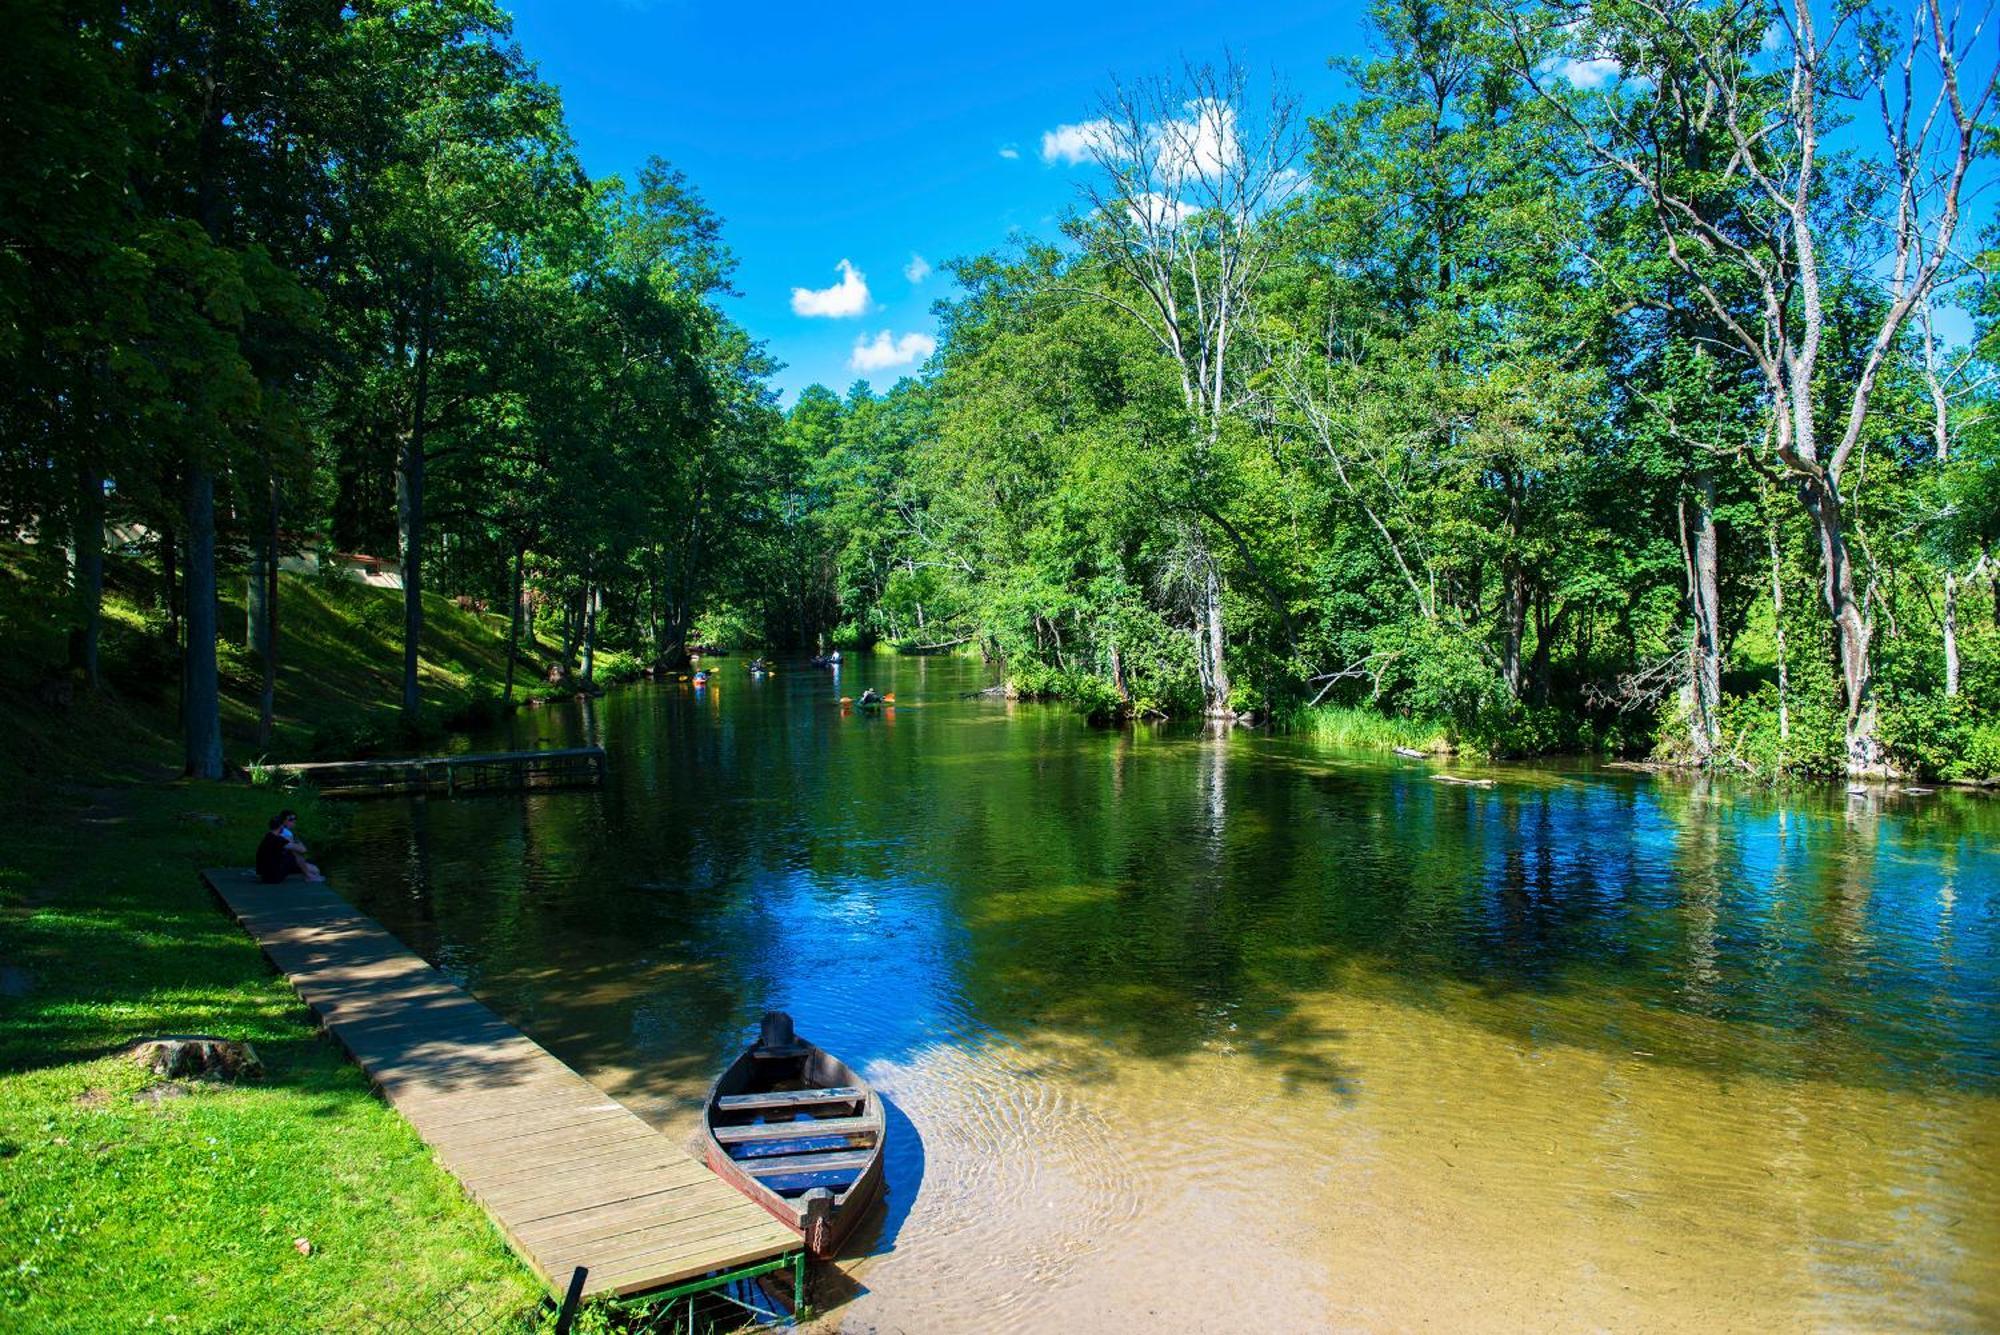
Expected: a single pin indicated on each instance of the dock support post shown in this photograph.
(799, 1287)
(567, 1317)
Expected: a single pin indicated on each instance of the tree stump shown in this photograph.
(177, 1056)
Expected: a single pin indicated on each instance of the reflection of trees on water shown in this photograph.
(1160, 890)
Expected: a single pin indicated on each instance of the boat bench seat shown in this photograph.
(807, 1130)
(794, 1098)
(780, 1165)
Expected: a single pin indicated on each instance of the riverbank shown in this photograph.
(338, 680)
(132, 1200)
(294, 1201)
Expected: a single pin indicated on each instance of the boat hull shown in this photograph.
(797, 1131)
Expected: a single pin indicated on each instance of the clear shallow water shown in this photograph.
(1239, 1033)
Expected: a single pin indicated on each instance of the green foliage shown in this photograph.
(1448, 455)
(1943, 737)
(1755, 739)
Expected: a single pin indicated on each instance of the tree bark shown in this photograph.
(1950, 620)
(410, 539)
(514, 621)
(570, 627)
(410, 507)
(88, 576)
(590, 597)
(1215, 640)
(1704, 693)
(169, 594)
(255, 588)
(1778, 633)
(1513, 631)
(201, 709)
(1545, 632)
(1853, 630)
(267, 631)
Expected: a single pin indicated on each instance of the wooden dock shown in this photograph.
(492, 771)
(572, 1177)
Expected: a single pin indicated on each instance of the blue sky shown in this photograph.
(876, 134)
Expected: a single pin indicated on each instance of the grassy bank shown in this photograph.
(1367, 729)
(339, 679)
(128, 1202)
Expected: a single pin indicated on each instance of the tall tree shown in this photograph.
(1767, 236)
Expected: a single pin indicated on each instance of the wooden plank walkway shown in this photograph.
(493, 771)
(572, 1177)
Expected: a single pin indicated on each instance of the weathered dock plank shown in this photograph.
(571, 1176)
(482, 772)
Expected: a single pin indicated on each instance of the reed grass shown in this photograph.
(1363, 728)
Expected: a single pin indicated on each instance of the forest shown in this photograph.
(1593, 377)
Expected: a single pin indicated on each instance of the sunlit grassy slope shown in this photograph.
(128, 1203)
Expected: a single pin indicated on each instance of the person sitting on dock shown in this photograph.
(281, 853)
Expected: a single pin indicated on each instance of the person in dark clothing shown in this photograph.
(281, 854)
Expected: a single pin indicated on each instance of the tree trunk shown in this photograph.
(1514, 631)
(267, 632)
(1705, 648)
(514, 621)
(1778, 633)
(590, 596)
(88, 577)
(1852, 628)
(1950, 633)
(410, 540)
(170, 602)
(410, 507)
(201, 709)
(1215, 676)
(1118, 674)
(256, 587)
(569, 635)
(1545, 633)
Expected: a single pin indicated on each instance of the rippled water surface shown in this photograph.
(1226, 1033)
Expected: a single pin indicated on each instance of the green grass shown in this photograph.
(1363, 728)
(339, 680)
(126, 1201)
(129, 1203)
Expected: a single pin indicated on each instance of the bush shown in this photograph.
(1751, 738)
(1941, 737)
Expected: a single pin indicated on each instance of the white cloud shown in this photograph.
(1590, 74)
(1074, 143)
(1204, 144)
(917, 269)
(884, 351)
(847, 297)
(1157, 210)
(1009, 152)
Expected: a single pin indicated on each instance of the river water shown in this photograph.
(1199, 1032)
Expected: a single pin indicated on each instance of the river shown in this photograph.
(1196, 1032)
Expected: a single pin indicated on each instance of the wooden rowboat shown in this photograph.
(798, 1132)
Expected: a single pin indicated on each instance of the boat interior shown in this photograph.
(794, 1118)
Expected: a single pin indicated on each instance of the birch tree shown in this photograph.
(1184, 175)
(1767, 238)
